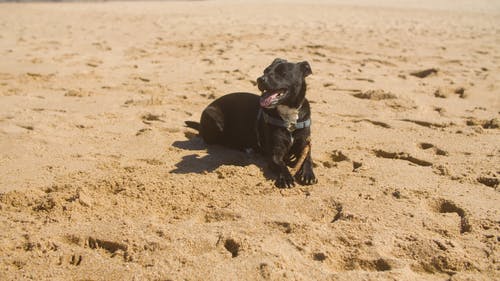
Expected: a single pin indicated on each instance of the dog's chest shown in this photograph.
(288, 114)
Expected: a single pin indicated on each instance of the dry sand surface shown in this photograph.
(100, 180)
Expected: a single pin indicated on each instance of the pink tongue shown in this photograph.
(267, 101)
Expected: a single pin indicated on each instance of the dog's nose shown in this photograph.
(260, 80)
(260, 83)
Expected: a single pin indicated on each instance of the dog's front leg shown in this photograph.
(285, 179)
(305, 175)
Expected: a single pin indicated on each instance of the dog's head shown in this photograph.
(283, 83)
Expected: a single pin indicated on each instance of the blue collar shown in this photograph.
(281, 123)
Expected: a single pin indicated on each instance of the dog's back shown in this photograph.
(230, 120)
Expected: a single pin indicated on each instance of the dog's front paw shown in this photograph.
(306, 176)
(285, 180)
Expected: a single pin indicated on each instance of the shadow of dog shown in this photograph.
(216, 156)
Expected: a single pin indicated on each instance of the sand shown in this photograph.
(101, 180)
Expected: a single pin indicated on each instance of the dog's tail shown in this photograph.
(193, 125)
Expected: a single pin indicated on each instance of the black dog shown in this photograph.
(277, 123)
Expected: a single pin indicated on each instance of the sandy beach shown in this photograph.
(101, 180)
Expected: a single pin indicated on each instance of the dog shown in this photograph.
(277, 123)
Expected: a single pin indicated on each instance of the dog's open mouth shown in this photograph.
(270, 98)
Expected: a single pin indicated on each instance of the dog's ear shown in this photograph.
(305, 68)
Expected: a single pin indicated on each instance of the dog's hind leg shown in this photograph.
(212, 125)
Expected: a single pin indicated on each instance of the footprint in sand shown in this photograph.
(401, 156)
(427, 123)
(375, 95)
(446, 92)
(94, 62)
(77, 93)
(152, 161)
(102, 46)
(149, 117)
(75, 260)
(376, 123)
(282, 226)
(486, 124)
(338, 156)
(424, 73)
(444, 206)
(39, 77)
(111, 247)
(232, 246)
(391, 100)
(430, 146)
(491, 181)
